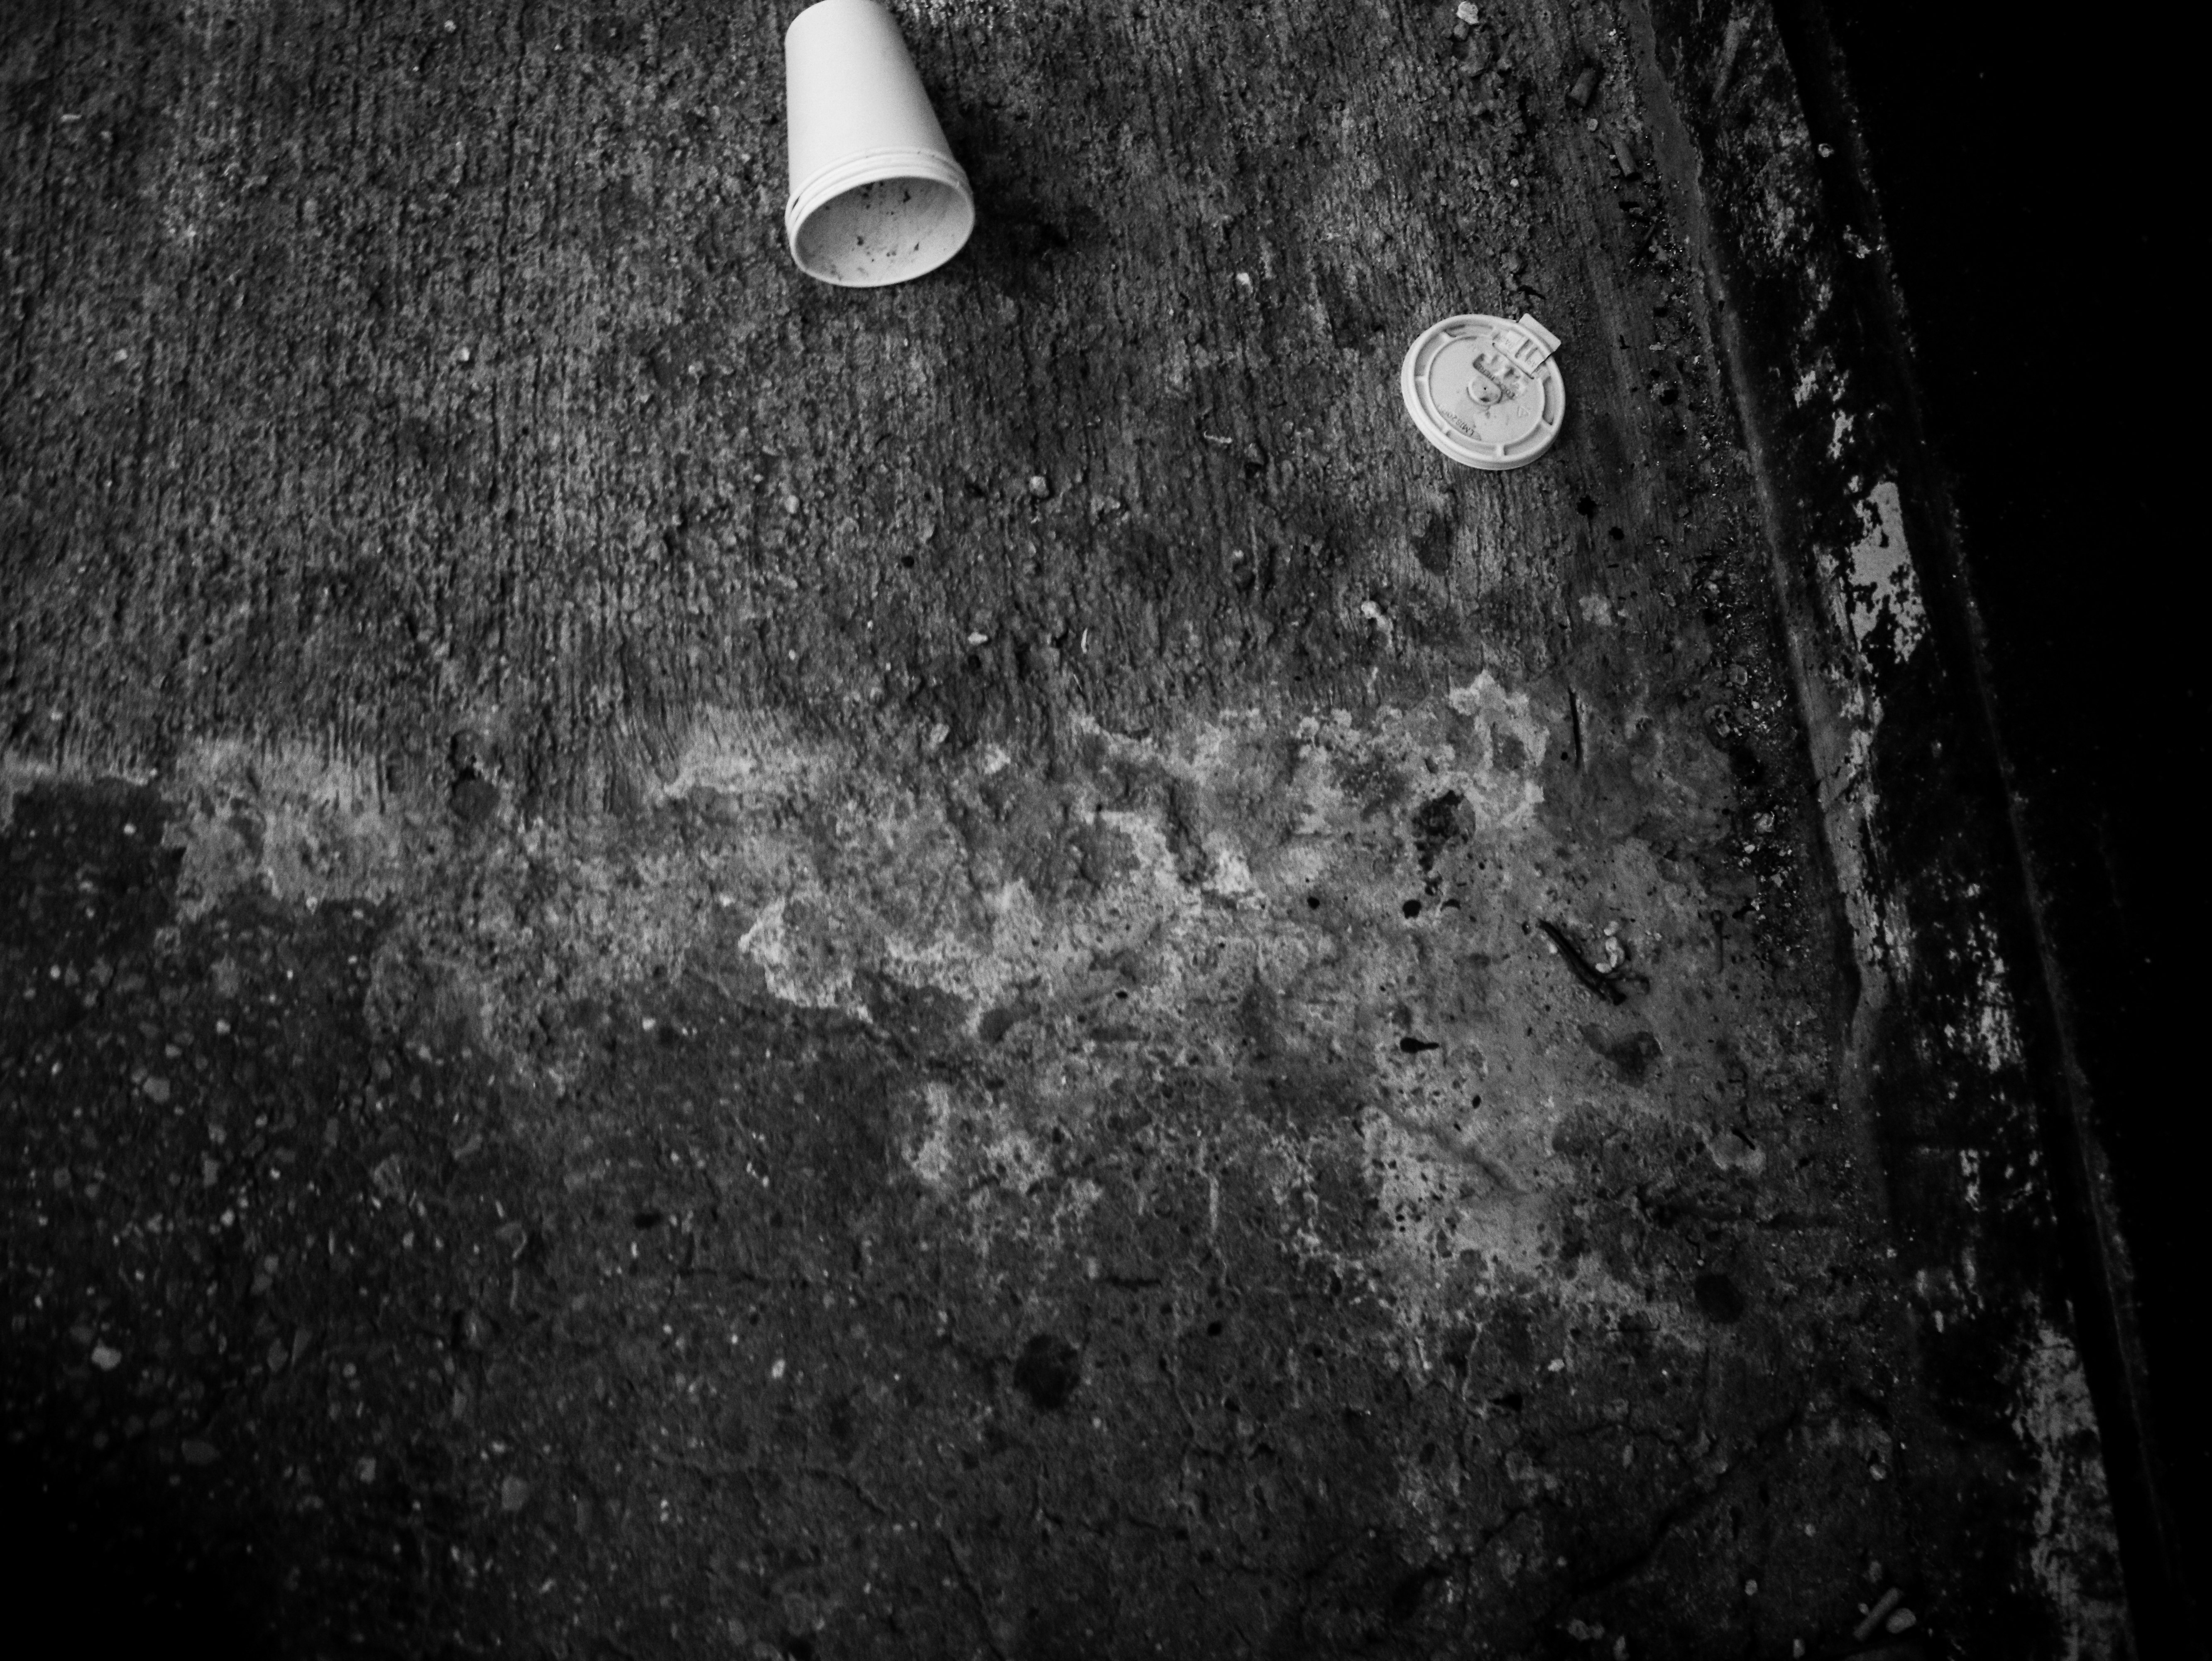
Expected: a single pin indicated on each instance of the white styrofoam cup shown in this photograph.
(876, 197)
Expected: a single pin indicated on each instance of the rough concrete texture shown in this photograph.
(696, 965)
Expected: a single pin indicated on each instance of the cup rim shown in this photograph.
(874, 167)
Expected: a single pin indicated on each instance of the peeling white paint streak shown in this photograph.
(2076, 1554)
(1881, 580)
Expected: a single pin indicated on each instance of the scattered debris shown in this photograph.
(1604, 984)
(1874, 1616)
(387, 1177)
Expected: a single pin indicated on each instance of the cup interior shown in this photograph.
(886, 230)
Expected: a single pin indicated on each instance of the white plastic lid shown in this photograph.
(1486, 391)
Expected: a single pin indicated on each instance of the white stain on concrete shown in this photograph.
(932, 1160)
(1104, 923)
(1498, 776)
(802, 956)
(296, 822)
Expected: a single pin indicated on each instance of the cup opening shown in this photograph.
(886, 230)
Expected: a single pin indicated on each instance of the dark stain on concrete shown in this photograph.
(1631, 1055)
(1049, 1369)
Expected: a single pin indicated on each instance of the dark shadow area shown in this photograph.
(2037, 236)
(108, 1561)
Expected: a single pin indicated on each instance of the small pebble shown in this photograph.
(105, 1358)
(1903, 1621)
(1039, 486)
(1585, 84)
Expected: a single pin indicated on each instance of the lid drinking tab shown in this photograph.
(1486, 391)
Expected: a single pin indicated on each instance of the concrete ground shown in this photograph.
(698, 965)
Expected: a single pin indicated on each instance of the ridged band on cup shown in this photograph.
(872, 167)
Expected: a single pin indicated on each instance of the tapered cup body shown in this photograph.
(875, 196)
